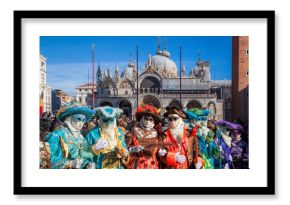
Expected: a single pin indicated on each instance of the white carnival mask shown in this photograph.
(78, 121)
(173, 121)
(148, 121)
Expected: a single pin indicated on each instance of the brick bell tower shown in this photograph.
(240, 78)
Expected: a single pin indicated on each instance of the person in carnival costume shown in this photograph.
(145, 141)
(237, 146)
(204, 136)
(68, 148)
(179, 151)
(234, 149)
(107, 141)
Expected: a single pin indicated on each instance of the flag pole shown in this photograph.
(180, 79)
(137, 76)
(93, 75)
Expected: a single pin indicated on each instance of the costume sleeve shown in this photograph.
(92, 137)
(170, 159)
(84, 153)
(57, 157)
(190, 147)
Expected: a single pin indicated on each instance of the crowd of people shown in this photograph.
(77, 137)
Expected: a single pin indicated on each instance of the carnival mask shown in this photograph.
(173, 121)
(78, 121)
(148, 121)
(236, 136)
(108, 123)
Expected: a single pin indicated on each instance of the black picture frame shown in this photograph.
(19, 189)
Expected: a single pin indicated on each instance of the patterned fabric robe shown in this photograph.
(240, 152)
(147, 158)
(111, 157)
(65, 147)
(207, 147)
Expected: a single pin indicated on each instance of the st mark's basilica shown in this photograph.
(159, 85)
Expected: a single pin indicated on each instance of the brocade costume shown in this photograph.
(115, 156)
(65, 147)
(147, 158)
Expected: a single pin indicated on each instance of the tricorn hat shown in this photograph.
(174, 110)
(196, 114)
(108, 112)
(230, 125)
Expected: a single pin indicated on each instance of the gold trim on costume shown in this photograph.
(64, 147)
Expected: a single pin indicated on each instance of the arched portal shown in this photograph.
(152, 100)
(193, 104)
(106, 103)
(150, 82)
(125, 105)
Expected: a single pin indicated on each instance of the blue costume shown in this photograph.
(206, 144)
(64, 147)
(68, 148)
(107, 141)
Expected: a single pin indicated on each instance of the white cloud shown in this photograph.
(70, 75)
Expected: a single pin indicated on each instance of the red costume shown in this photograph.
(181, 144)
(147, 158)
(145, 137)
(185, 148)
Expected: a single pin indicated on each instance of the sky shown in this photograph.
(69, 58)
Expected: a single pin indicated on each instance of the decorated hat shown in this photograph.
(197, 114)
(230, 125)
(108, 112)
(146, 109)
(174, 110)
(74, 108)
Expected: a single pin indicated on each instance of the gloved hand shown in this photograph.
(198, 165)
(74, 153)
(87, 155)
(162, 152)
(135, 149)
(76, 163)
(230, 158)
(180, 158)
(100, 144)
(227, 166)
(91, 165)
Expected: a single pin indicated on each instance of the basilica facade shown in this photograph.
(159, 85)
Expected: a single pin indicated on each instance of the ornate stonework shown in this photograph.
(159, 85)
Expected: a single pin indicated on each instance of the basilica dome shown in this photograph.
(129, 71)
(162, 63)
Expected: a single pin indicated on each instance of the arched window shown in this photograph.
(193, 104)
